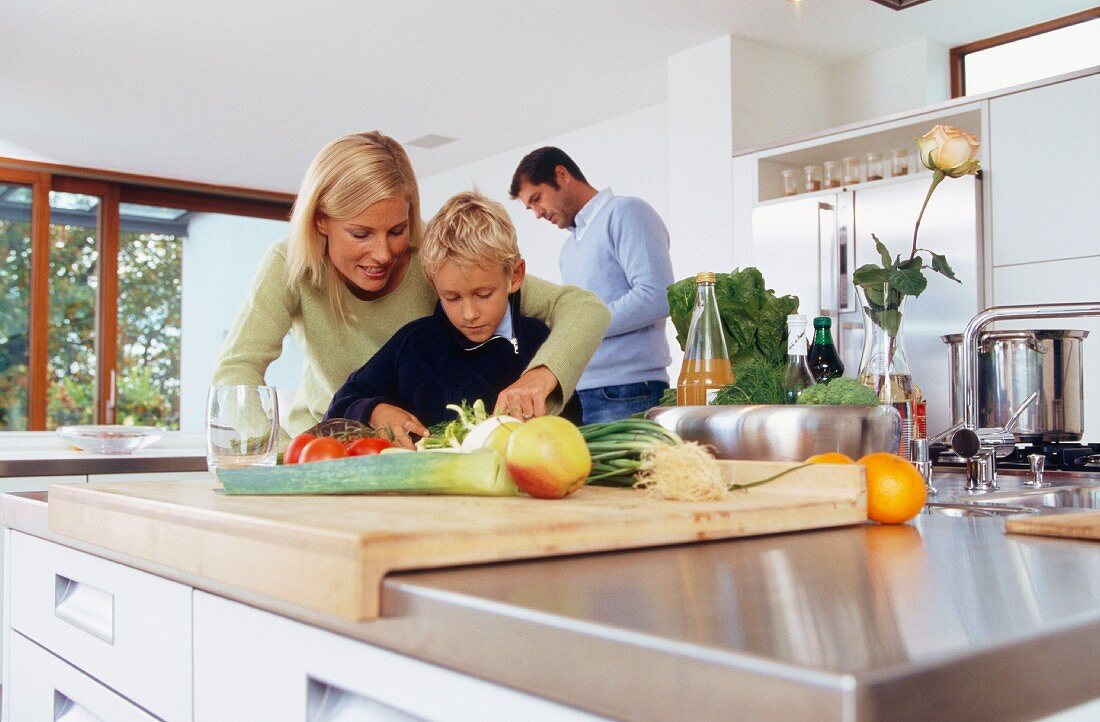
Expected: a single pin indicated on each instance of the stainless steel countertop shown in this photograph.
(44, 453)
(943, 618)
(84, 463)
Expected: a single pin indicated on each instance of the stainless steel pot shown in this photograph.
(1012, 365)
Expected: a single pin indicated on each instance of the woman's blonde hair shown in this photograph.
(472, 231)
(348, 175)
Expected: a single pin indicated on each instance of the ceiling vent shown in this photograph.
(899, 4)
(431, 140)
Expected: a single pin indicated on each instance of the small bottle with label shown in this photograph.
(797, 376)
(706, 367)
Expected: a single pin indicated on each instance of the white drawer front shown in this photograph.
(44, 687)
(254, 665)
(128, 629)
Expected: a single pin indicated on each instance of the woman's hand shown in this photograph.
(399, 421)
(526, 398)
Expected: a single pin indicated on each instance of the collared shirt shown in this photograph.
(504, 328)
(591, 209)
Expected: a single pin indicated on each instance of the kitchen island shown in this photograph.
(943, 618)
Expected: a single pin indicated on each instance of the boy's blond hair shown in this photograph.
(472, 231)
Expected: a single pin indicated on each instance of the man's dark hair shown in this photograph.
(539, 166)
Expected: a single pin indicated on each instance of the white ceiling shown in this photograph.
(244, 92)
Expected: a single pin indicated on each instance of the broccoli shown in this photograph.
(839, 392)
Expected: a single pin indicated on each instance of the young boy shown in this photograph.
(476, 343)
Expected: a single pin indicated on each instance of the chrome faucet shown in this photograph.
(978, 446)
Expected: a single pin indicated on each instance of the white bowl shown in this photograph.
(105, 439)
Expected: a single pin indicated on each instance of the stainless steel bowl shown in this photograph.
(784, 433)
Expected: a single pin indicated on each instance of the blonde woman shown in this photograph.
(348, 277)
(475, 343)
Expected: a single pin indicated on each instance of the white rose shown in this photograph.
(949, 150)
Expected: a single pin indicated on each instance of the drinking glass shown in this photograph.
(242, 427)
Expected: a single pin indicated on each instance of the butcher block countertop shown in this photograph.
(943, 618)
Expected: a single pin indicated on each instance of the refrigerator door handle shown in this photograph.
(827, 298)
(845, 254)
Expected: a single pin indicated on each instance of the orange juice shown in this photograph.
(700, 379)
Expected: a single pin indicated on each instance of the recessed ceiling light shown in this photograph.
(431, 140)
(899, 4)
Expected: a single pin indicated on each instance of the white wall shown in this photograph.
(892, 80)
(220, 257)
(776, 94)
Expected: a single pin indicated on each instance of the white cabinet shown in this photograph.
(250, 664)
(29, 483)
(43, 687)
(1044, 147)
(128, 629)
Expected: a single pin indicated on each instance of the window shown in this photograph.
(1041, 51)
(92, 295)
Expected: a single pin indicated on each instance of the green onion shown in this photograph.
(617, 447)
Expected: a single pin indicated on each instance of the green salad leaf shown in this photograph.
(754, 319)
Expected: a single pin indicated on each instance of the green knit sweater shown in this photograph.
(333, 350)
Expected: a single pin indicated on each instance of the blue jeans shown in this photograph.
(609, 403)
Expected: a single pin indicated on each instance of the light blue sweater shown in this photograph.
(618, 249)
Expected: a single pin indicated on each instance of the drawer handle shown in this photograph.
(85, 607)
(66, 710)
(329, 703)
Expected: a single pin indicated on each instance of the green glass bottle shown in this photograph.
(824, 361)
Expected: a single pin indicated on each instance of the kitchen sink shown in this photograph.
(969, 509)
(1060, 497)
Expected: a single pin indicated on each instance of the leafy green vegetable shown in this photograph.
(754, 319)
(756, 382)
(668, 397)
(841, 391)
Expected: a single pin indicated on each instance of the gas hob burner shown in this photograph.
(1060, 456)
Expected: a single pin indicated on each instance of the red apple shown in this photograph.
(547, 457)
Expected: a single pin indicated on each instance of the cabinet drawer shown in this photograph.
(126, 628)
(251, 664)
(44, 687)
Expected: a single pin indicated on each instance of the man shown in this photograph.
(618, 249)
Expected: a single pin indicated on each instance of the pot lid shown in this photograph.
(1052, 334)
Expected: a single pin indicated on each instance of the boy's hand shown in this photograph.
(400, 422)
(526, 398)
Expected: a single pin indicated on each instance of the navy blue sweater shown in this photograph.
(428, 364)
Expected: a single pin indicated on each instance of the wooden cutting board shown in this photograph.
(330, 553)
(1077, 525)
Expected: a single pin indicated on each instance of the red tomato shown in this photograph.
(295, 449)
(321, 449)
(368, 447)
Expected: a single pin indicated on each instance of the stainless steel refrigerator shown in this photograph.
(808, 245)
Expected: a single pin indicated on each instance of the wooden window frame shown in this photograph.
(113, 188)
(958, 55)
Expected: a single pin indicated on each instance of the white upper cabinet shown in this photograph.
(1044, 161)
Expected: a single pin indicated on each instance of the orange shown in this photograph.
(895, 489)
(830, 457)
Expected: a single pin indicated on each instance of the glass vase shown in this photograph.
(883, 366)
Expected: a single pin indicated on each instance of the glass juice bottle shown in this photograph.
(825, 363)
(797, 376)
(706, 367)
